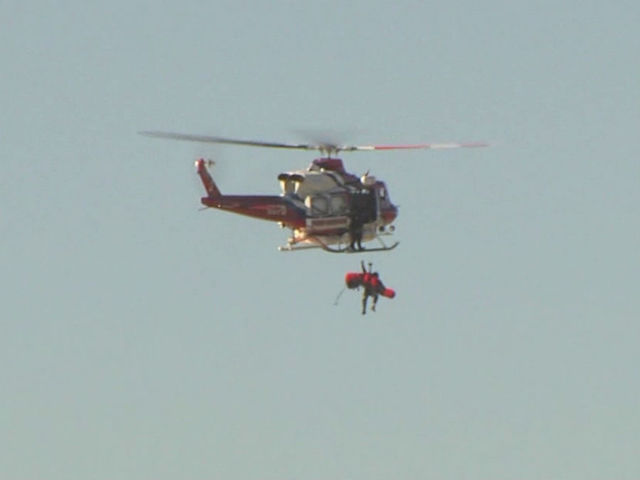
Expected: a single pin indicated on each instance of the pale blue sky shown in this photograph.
(143, 339)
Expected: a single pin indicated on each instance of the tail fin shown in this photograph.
(209, 185)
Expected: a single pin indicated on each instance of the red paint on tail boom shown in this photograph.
(274, 208)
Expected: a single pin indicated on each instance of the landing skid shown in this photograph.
(293, 248)
(319, 243)
(348, 249)
(384, 248)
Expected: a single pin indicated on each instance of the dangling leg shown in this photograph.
(375, 300)
(364, 301)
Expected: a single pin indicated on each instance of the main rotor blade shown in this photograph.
(430, 146)
(323, 147)
(231, 141)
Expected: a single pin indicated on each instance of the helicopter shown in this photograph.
(324, 206)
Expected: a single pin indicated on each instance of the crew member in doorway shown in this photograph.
(363, 210)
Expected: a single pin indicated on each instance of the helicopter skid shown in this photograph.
(384, 248)
(316, 242)
(293, 248)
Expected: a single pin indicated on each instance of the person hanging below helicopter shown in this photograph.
(372, 286)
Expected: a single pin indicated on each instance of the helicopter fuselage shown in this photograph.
(319, 204)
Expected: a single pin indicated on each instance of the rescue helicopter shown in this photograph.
(324, 206)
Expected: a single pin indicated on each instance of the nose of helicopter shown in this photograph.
(389, 214)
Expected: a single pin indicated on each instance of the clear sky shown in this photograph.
(143, 339)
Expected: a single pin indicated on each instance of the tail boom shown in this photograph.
(266, 207)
